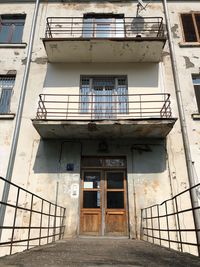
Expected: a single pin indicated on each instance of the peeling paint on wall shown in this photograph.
(174, 31)
(188, 63)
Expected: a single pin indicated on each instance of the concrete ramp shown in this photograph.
(100, 252)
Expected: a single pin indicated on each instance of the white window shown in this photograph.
(103, 25)
(6, 89)
(196, 84)
(104, 97)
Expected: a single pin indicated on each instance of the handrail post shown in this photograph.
(30, 220)
(41, 222)
(14, 221)
(158, 213)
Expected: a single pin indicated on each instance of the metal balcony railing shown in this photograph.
(107, 107)
(171, 223)
(30, 220)
(127, 27)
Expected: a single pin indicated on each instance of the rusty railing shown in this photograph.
(171, 222)
(104, 27)
(91, 106)
(30, 220)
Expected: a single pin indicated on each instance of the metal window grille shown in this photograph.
(6, 88)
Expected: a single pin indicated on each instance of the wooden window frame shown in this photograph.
(195, 27)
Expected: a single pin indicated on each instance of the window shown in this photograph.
(6, 88)
(196, 84)
(191, 27)
(11, 28)
(103, 25)
(104, 97)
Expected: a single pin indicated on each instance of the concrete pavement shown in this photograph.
(100, 252)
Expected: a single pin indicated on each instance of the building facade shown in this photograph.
(100, 131)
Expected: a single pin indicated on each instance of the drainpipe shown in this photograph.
(18, 117)
(186, 144)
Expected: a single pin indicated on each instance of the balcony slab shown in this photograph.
(135, 49)
(85, 129)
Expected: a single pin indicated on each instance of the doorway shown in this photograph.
(104, 198)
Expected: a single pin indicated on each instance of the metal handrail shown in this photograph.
(155, 221)
(55, 230)
(91, 106)
(80, 27)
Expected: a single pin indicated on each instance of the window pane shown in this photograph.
(91, 180)
(119, 28)
(5, 100)
(197, 18)
(103, 27)
(115, 180)
(88, 27)
(115, 200)
(122, 92)
(188, 28)
(115, 162)
(17, 34)
(91, 199)
(196, 79)
(4, 33)
(85, 90)
(6, 86)
(11, 28)
(196, 83)
(197, 94)
(92, 162)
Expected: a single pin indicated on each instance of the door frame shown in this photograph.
(102, 171)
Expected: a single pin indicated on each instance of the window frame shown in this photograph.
(94, 33)
(7, 109)
(91, 91)
(194, 24)
(12, 20)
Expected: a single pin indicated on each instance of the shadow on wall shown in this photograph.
(149, 158)
(68, 75)
(52, 156)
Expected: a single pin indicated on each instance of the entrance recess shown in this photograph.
(104, 197)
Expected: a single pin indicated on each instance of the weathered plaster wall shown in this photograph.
(188, 63)
(153, 175)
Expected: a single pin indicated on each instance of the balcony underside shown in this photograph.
(129, 128)
(137, 49)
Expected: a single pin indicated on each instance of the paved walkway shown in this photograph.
(100, 252)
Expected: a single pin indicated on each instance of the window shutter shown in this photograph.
(5, 100)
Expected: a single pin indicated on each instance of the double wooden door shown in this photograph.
(103, 203)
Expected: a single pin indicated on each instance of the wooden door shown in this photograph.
(103, 203)
(115, 203)
(91, 203)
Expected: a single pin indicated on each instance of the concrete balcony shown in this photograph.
(103, 116)
(79, 39)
